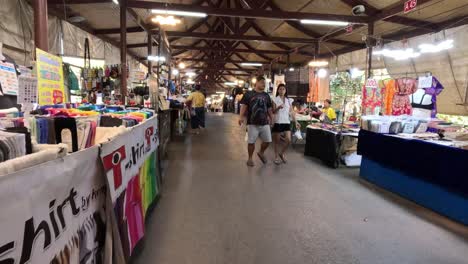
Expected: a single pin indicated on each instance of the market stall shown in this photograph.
(430, 172)
(80, 136)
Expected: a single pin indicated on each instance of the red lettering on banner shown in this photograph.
(113, 162)
(410, 5)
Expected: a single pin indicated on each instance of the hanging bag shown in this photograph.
(87, 73)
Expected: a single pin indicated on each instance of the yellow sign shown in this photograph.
(50, 82)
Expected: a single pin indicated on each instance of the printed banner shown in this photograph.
(50, 80)
(130, 164)
(8, 78)
(55, 212)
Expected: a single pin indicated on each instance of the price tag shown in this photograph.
(371, 83)
(27, 92)
(425, 82)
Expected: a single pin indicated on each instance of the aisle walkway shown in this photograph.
(215, 210)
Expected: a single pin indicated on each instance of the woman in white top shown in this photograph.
(283, 111)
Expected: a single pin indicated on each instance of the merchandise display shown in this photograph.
(429, 174)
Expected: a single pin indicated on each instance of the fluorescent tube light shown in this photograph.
(190, 74)
(324, 22)
(318, 63)
(156, 58)
(178, 13)
(230, 83)
(433, 48)
(251, 64)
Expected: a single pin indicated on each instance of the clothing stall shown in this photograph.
(90, 166)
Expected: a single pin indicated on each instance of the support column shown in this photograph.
(123, 48)
(150, 52)
(40, 24)
(370, 43)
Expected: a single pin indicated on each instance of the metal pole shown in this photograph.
(40, 24)
(123, 47)
(150, 52)
(370, 44)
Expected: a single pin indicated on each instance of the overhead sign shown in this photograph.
(50, 80)
(410, 5)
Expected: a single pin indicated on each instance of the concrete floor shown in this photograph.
(215, 210)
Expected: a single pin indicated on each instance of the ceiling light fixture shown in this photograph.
(251, 64)
(230, 83)
(115, 2)
(324, 22)
(190, 81)
(433, 48)
(398, 54)
(254, 80)
(182, 65)
(175, 72)
(322, 73)
(291, 69)
(178, 13)
(318, 63)
(190, 74)
(166, 20)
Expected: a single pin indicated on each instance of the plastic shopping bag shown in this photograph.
(298, 134)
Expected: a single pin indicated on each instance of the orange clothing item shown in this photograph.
(388, 92)
(319, 88)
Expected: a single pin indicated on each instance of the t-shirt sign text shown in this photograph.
(410, 5)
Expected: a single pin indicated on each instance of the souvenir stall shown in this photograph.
(424, 157)
(406, 148)
(333, 141)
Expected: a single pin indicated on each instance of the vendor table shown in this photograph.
(430, 174)
(325, 145)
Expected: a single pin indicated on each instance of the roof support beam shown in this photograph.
(246, 13)
(239, 37)
(402, 20)
(394, 10)
(226, 61)
(248, 50)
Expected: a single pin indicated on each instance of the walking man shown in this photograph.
(257, 110)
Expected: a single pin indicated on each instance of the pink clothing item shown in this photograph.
(134, 212)
(401, 101)
(371, 99)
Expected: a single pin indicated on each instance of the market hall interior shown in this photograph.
(214, 209)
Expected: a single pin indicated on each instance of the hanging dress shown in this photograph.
(401, 102)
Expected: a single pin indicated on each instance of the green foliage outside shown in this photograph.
(343, 87)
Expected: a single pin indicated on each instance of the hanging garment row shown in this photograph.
(403, 96)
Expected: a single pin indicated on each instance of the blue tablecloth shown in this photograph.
(443, 166)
